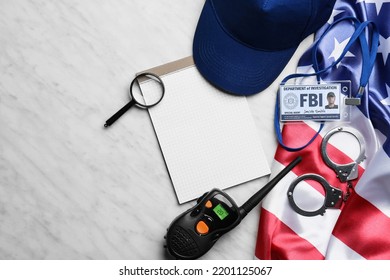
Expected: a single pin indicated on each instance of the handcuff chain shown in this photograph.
(349, 191)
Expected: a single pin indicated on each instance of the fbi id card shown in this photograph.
(318, 102)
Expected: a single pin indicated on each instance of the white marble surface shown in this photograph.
(70, 189)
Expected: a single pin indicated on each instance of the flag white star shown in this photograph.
(386, 101)
(338, 49)
(384, 47)
(334, 13)
(378, 3)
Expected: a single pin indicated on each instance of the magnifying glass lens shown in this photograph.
(147, 91)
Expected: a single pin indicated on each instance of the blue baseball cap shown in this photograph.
(241, 46)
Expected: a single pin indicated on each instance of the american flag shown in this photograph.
(360, 228)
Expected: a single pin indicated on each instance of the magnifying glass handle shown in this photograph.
(118, 114)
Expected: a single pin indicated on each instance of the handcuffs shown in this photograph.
(345, 172)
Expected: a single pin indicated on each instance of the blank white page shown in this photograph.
(208, 138)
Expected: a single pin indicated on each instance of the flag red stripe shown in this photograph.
(364, 228)
(277, 241)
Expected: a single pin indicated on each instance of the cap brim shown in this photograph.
(230, 65)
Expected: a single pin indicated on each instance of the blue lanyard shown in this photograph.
(368, 61)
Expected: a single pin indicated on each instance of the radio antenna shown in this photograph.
(257, 197)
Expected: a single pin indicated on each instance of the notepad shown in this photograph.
(208, 138)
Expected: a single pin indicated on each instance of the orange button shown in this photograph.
(208, 204)
(202, 228)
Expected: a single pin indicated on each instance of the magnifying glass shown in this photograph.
(141, 99)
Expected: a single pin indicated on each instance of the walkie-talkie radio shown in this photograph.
(195, 231)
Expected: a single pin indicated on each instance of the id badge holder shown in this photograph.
(325, 102)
